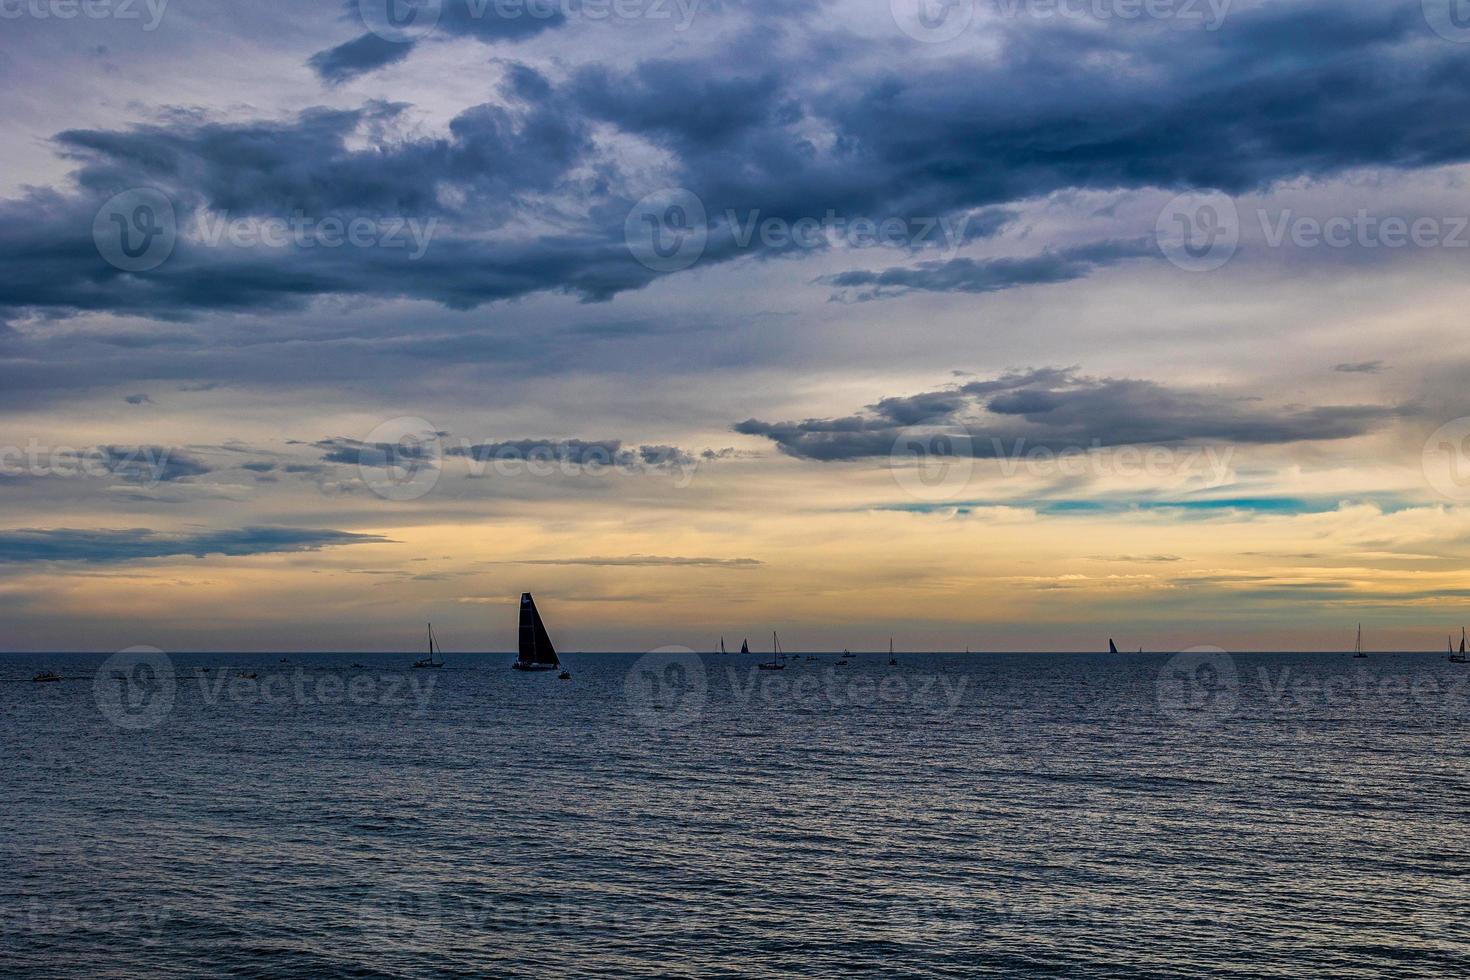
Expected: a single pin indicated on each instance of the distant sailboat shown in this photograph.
(892, 660)
(777, 657)
(722, 644)
(744, 646)
(1112, 647)
(1358, 653)
(1459, 658)
(536, 651)
(429, 663)
(843, 661)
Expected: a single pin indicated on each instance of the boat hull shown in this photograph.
(520, 666)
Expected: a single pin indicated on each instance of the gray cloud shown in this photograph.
(1059, 409)
(28, 545)
(638, 561)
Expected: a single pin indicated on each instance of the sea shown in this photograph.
(683, 814)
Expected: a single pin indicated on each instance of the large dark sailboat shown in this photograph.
(536, 651)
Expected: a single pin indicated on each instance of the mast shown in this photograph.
(1358, 646)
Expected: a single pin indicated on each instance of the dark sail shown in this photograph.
(1112, 647)
(536, 646)
(744, 646)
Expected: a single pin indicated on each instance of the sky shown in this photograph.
(999, 324)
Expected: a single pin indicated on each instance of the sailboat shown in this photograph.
(429, 663)
(892, 660)
(1459, 658)
(722, 645)
(845, 654)
(536, 651)
(1358, 653)
(744, 646)
(1112, 647)
(777, 657)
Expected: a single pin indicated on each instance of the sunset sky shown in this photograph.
(934, 361)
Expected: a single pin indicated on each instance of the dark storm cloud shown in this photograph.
(1058, 409)
(575, 452)
(991, 275)
(352, 58)
(28, 545)
(528, 201)
(487, 21)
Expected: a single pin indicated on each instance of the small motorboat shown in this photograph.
(46, 677)
(248, 675)
(565, 675)
(842, 661)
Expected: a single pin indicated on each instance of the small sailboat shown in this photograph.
(1358, 653)
(536, 651)
(893, 661)
(46, 677)
(744, 646)
(429, 663)
(1459, 658)
(722, 645)
(1112, 647)
(842, 662)
(778, 658)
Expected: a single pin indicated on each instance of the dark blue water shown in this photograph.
(1279, 815)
